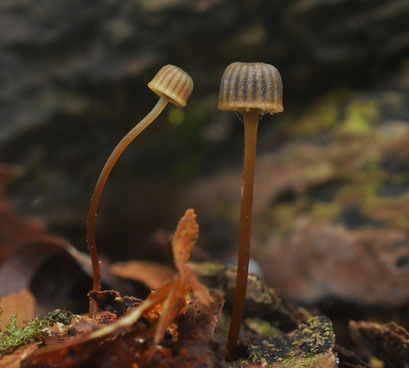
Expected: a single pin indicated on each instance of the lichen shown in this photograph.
(310, 345)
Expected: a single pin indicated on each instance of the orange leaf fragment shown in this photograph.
(174, 303)
(21, 303)
(183, 241)
(151, 274)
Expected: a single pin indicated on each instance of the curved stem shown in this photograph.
(250, 144)
(99, 187)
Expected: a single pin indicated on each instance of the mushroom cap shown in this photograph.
(174, 83)
(251, 86)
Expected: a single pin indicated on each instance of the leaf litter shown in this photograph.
(180, 324)
(158, 329)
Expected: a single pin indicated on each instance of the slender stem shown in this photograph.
(250, 143)
(99, 187)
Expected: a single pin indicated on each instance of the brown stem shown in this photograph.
(99, 187)
(250, 144)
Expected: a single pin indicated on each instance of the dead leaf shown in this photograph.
(183, 241)
(323, 261)
(18, 269)
(151, 274)
(186, 234)
(25, 245)
(172, 306)
(388, 342)
(25, 261)
(161, 309)
(14, 230)
(21, 303)
(82, 346)
(14, 360)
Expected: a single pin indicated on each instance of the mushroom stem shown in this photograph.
(99, 187)
(251, 120)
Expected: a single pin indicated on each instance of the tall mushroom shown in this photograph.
(172, 85)
(253, 89)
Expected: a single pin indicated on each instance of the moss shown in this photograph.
(325, 211)
(320, 173)
(288, 357)
(360, 187)
(176, 115)
(285, 214)
(359, 118)
(14, 336)
(321, 117)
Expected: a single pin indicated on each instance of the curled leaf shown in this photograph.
(151, 274)
(184, 239)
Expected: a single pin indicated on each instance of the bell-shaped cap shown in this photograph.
(251, 86)
(174, 83)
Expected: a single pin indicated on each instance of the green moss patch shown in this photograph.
(13, 337)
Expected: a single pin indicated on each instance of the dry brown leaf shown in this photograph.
(14, 360)
(21, 303)
(186, 234)
(162, 307)
(184, 239)
(388, 342)
(15, 231)
(18, 269)
(322, 261)
(151, 274)
(174, 303)
(25, 244)
(83, 345)
(24, 248)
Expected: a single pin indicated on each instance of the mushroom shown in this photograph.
(253, 89)
(172, 85)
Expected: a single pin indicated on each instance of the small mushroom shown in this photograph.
(253, 89)
(172, 85)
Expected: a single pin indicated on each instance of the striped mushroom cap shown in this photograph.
(174, 83)
(251, 86)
